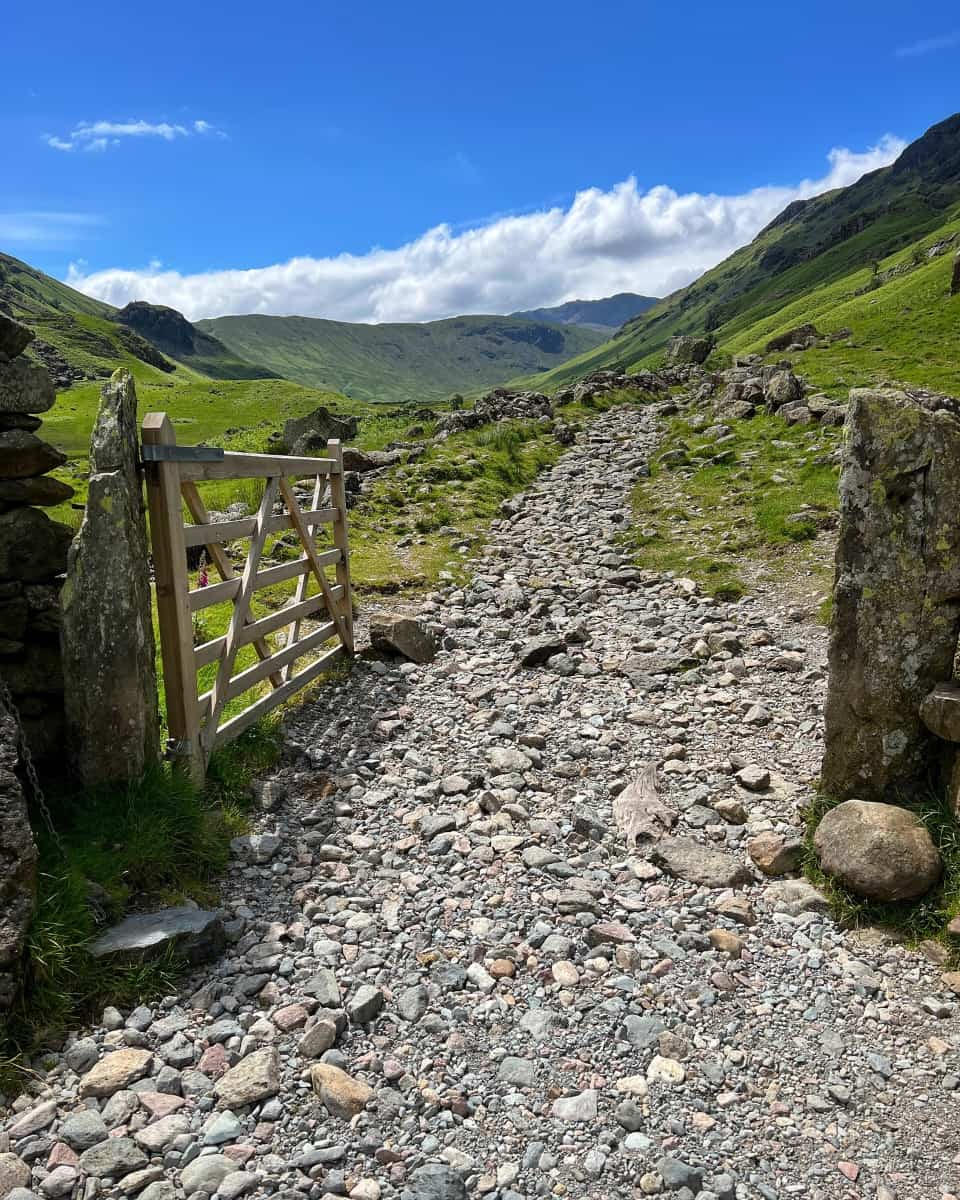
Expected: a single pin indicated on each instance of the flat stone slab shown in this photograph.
(691, 860)
(197, 932)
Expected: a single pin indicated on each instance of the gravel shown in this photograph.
(508, 1000)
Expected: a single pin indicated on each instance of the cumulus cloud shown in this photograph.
(623, 239)
(98, 135)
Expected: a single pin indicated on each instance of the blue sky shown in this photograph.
(420, 159)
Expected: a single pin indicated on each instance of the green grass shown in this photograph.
(393, 363)
(770, 492)
(155, 842)
(924, 918)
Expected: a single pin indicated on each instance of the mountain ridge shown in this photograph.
(398, 361)
(608, 313)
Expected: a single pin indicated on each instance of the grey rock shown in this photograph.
(254, 1078)
(33, 549)
(14, 336)
(576, 1109)
(197, 934)
(895, 621)
(115, 1157)
(413, 1002)
(310, 434)
(436, 1181)
(697, 863)
(323, 985)
(642, 1032)
(539, 649)
(365, 1004)
(521, 1072)
(18, 862)
(109, 666)
(686, 349)
(25, 387)
(83, 1129)
(402, 635)
(205, 1174)
(878, 850)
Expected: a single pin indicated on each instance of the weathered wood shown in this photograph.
(260, 708)
(195, 721)
(639, 812)
(293, 632)
(217, 532)
(173, 606)
(247, 587)
(198, 510)
(259, 671)
(338, 494)
(255, 466)
(210, 651)
(315, 559)
(216, 593)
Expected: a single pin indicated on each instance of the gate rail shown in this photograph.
(195, 723)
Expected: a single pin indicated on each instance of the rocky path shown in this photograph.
(440, 920)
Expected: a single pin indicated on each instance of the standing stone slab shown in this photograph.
(896, 600)
(18, 863)
(107, 634)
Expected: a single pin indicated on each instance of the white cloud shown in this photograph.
(945, 41)
(98, 135)
(624, 239)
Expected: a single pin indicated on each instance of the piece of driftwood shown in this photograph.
(639, 812)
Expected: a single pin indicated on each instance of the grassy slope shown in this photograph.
(419, 362)
(85, 332)
(807, 265)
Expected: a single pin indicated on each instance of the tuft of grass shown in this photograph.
(154, 842)
(921, 919)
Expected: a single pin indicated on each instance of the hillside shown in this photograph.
(873, 257)
(81, 338)
(398, 362)
(605, 315)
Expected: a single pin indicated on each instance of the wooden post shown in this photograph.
(173, 605)
(338, 497)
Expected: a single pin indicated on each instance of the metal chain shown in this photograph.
(26, 759)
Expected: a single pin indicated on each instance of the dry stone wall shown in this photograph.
(33, 548)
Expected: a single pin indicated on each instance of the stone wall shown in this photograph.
(33, 549)
(18, 862)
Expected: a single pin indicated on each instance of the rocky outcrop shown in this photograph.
(879, 851)
(955, 278)
(407, 636)
(686, 349)
(896, 600)
(498, 405)
(310, 434)
(18, 862)
(33, 549)
(800, 338)
(107, 637)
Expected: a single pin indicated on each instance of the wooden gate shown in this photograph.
(196, 723)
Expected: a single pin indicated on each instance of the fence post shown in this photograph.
(338, 494)
(173, 605)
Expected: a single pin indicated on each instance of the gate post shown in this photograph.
(173, 604)
(338, 494)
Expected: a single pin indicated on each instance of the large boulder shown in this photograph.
(397, 634)
(877, 850)
(686, 349)
(197, 935)
(14, 337)
(800, 335)
(33, 549)
(107, 631)
(18, 861)
(25, 387)
(310, 434)
(782, 388)
(896, 613)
